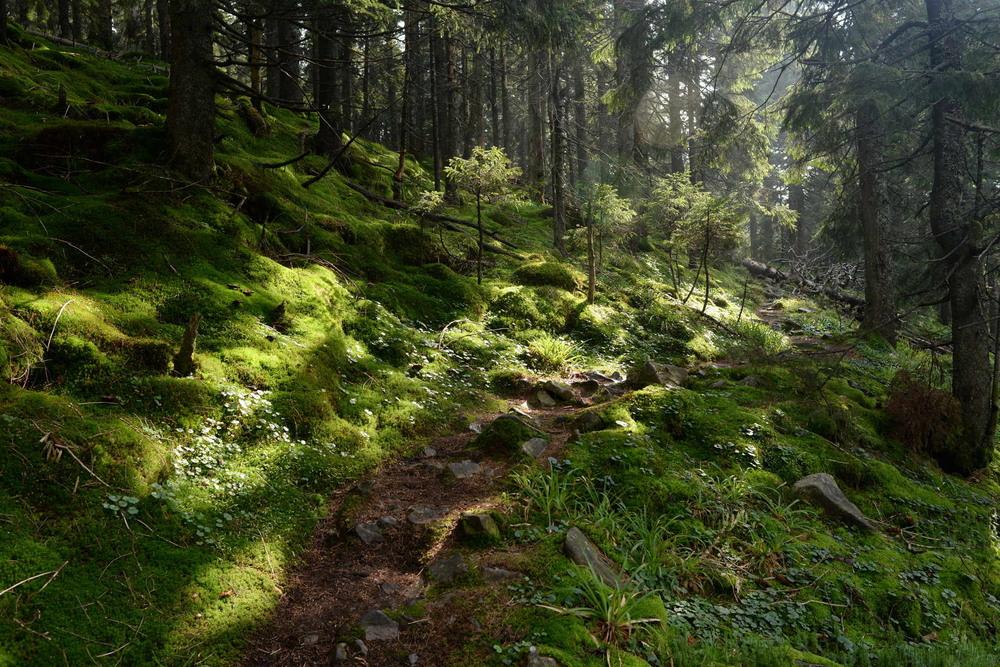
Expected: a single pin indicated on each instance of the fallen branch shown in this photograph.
(771, 273)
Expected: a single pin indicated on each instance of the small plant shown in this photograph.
(923, 418)
(616, 612)
(749, 340)
(549, 493)
(551, 353)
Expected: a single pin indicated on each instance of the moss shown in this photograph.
(550, 274)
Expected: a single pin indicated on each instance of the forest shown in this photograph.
(544, 333)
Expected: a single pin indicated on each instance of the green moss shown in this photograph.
(550, 274)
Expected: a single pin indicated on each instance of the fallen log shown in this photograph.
(436, 217)
(762, 270)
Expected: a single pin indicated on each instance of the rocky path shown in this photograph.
(360, 595)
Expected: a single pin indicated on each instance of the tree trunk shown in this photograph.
(536, 123)
(65, 27)
(479, 246)
(148, 28)
(591, 262)
(191, 106)
(580, 118)
(255, 56)
(505, 138)
(676, 105)
(289, 54)
(556, 113)
(494, 102)
(329, 139)
(449, 142)
(880, 307)
(960, 239)
(800, 235)
(163, 18)
(104, 34)
(435, 106)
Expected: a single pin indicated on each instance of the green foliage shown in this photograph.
(554, 274)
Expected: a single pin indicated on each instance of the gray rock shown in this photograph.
(585, 553)
(525, 417)
(429, 452)
(379, 627)
(361, 647)
(447, 570)
(388, 522)
(543, 399)
(311, 639)
(589, 421)
(752, 381)
(558, 390)
(340, 653)
(464, 469)
(534, 447)
(821, 490)
(719, 384)
(651, 372)
(478, 526)
(501, 574)
(369, 532)
(421, 515)
(413, 658)
(536, 660)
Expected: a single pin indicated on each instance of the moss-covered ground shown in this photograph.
(150, 519)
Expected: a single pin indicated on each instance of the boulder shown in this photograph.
(464, 469)
(378, 626)
(585, 553)
(536, 660)
(558, 390)
(588, 421)
(421, 515)
(447, 570)
(505, 434)
(534, 447)
(369, 532)
(543, 399)
(501, 574)
(821, 490)
(651, 372)
(478, 527)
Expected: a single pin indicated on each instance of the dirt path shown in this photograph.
(408, 510)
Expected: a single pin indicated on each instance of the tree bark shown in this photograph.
(556, 113)
(960, 239)
(536, 123)
(880, 306)
(163, 18)
(65, 26)
(329, 139)
(104, 34)
(191, 106)
(580, 118)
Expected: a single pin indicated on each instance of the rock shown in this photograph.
(388, 522)
(429, 452)
(600, 378)
(821, 490)
(340, 653)
(542, 399)
(447, 570)
(559, 390)
(310, 640)
(585, 553)
(478, 526)
(379, 627)
(369, 532)
(413, 658)
(361, 647)
(464, 469)
(617, 376)
(650, 373)
(752, 381)
(588, 387)
(505, 434)
(501, 574)
(536, 660)
(588, 421)
(534, 447)
(421, 514)
(718, 384)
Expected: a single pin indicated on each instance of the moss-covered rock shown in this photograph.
(551, 274)
(505, 434)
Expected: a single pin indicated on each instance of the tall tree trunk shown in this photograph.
(800, 235)
(435, 105)
(449, 126)
(591, 261)
(4, 10)
(536, 122)
(329, 139)
(506, 137)
(676, 105)
(880, 305)
(148, 28)
(65, 26)
(693, 98)
(558, 133)
(346, 67)
(960, 239)
(191, 106)
(580, 117)
(494, 102)
(104, 34)
(162, 18)
(255, 53)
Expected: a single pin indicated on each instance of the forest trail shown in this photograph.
(378, 546)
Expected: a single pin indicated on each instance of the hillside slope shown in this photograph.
(152, 519)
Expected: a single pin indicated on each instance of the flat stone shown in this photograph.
(585, 553)
(388, 522)
(413, 659)
(536, 660)
(340, 653)
(558, 390)
(360, 647)
(719, 384)
(379, 627)
(821, 490)
(544, 399)
(651, 372)
(429, 452)
(446, 570)
(421, 514)
(311, 639)
(464, 469)
(501, 574)
(369, 532)
(534, 447)
(478, 526)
